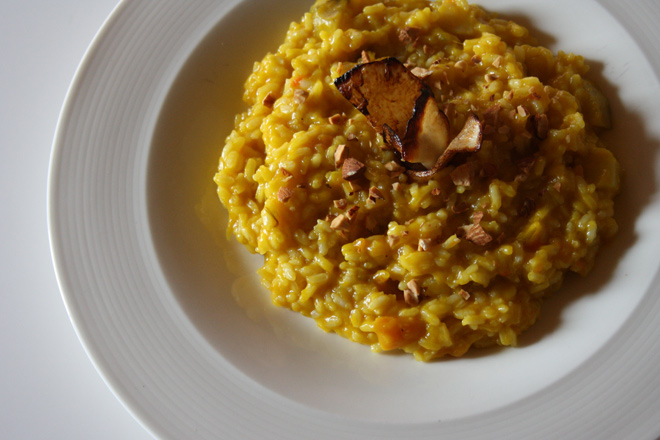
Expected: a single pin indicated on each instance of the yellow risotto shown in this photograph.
(434, 265)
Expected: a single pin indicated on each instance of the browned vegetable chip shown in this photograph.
(400, 106)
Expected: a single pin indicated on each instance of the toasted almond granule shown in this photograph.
(392, 240)
(394, 169)
(424, 244)
(351, 137)
(340, 223)
(341, 153)
(478, 236)
(508, 95)
(490, 77)
(421, 72)
(436, 192)
(541, 125)
(396, 186)
(286, 173)
(464, 294)
(475, 60)
(412, 293)
(284, 194)
(300, 96)
(463, 175)
(336, 119)
(522, 111)
(340, 203)
(409, 34)
(375, 194)
(269, 100)
(497, 62)
(557, 186)
(352, 169)
(477, 217)
(352, 212)
(364, 56)
(461, 65)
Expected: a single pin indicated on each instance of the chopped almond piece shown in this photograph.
(412, 293)
(541, 125)
(300, 96)
(490, 77)
(340, 203)
(464, 294)
(409, 34)
(284, 194)
(394, 169)
(352, 212)
(475, 60)
(340, 223)
(508, 95)
(365, 57)
(341, 153)
(498, 61)
(463, 175)
(392, 240)
(336, 119)
(286, 173)
(436, 191)
(557, 186)
(351, 137)
(526, 164)
(461, 65)
(396, 186)
(375, 194)
(421, 72)
(352, 169)
(424, 244)
(522, 111)
(477, 217)
(478, 236)
(269, 100)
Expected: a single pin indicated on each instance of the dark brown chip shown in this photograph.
(341, 153)
(284, 194)
(526, 164)
(352, 169)
(269, 100)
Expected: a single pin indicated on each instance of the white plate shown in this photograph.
(186, 337)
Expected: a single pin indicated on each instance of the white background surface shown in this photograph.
(48, 387)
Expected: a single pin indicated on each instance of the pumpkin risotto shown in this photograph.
(431, 258)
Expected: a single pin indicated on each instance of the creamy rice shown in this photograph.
(402, 268)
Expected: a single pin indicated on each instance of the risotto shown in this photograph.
(378, 250)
